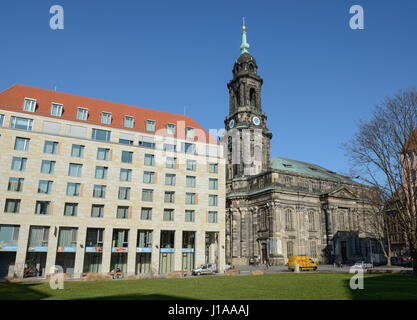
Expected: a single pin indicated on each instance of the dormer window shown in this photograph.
(82, 114)
(56, 109)
(30, 105)
(150, 125)
(171, 128)
(189, 132)
(129, 122)
(106, 118)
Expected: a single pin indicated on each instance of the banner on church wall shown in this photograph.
(279, 246)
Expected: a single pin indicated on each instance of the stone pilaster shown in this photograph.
(80, 251)
(131, 253)
(107, 244)
(22, 245)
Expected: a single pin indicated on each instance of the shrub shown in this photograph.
(92, 276)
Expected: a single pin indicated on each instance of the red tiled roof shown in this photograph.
(12, 99)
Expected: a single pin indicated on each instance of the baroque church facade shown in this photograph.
(278, 207)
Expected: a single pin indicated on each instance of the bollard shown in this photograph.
(296, 268)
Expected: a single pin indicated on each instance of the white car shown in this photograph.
(209, 268)
(363, 265)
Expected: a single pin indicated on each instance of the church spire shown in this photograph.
(244, 45)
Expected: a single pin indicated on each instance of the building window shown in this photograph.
(122, 212)
(189, 198)
(311, 222)
(1, 120)
(170, 147)
(169, 197)
(146, 214)
(127, 156)
(19, 164)
(29, 105)
(144, 239)
(125, 174)
(168, 214)
(48, 167)
(12, 206)
(100, 135)
(188, 148)
(42, 207)
(189, 215)
(9, 235)
(45, 186)
(21, 144)
(129, 122)
(146, 142)
(94, 237)
(82, 114)
(70, 209)
(124, 193)
(191, 165)
(73, 189)
(103, 154)
(97, 210)
(212, 216)
(125, 141)
(106, 118)
(190, 181)
(147, 195)
(15, 184)
(101, 172)
(56, 109)
(189, 133)
(21, 123)
(288, 220)
(149, 160)
(99, 191)
(77, 151)
(74, 169)
(67, 237)
(212, 200)
(50, 147)
(150, 125)
(171, 128)
(170, 179)
(213, 168)
(148, 177)
(290, 249)
(213, 185)
(171, 163)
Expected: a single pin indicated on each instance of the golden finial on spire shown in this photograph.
(243, 27)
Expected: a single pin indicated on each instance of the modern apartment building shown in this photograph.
(94, 186)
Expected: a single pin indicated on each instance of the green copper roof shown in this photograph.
(244, 45)
(306, 168)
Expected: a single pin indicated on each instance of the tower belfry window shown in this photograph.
(252, 97)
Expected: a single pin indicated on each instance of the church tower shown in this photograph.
(248, 145)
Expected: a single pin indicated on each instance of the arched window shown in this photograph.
(237, 98)
(251, 69)
(288, 220)
(252, 97)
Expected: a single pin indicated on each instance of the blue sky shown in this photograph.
(320, 77)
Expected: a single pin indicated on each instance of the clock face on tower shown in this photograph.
(231, 124)
(256, 121)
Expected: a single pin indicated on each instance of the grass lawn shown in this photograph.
(264, 287)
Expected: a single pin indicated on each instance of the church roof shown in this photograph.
(305, 168)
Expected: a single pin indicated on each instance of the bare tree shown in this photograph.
(383, 154)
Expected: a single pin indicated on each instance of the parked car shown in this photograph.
(209, 268)
(363, 265)
(402, 261)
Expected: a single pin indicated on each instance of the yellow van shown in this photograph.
(304, 262)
